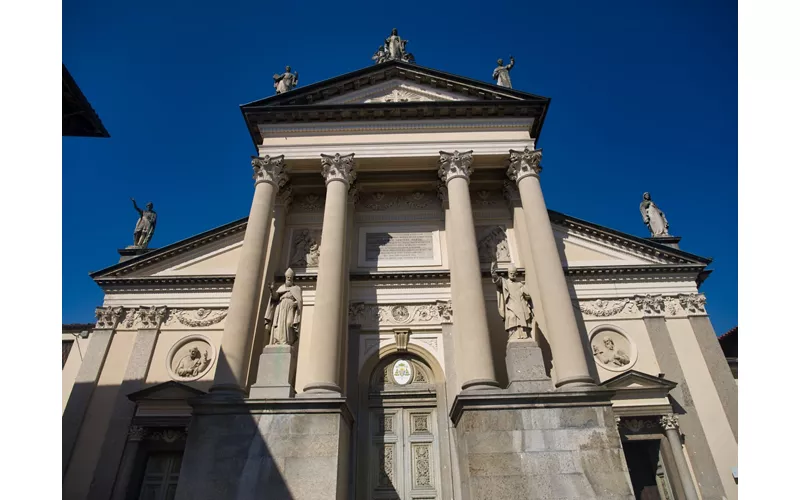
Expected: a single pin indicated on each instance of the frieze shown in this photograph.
(640, 426)
(605, 308)
(391, 315)
(380, 201)
(198, 318)
(644, 305)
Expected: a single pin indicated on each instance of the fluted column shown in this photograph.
(670, 425)
(569, 359)
(237, 339)
(326, 329)
(469, 307)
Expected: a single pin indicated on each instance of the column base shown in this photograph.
(557, 444)
(325, 389)
(282, 448)
(276, 368)
(479, 384)
(576, 382)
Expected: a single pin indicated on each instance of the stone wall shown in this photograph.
(555, 452)
(283, 455)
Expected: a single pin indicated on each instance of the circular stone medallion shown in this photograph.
(190, 358)
(612, 349)
(402, 372)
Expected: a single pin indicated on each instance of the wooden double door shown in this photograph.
(403, 456)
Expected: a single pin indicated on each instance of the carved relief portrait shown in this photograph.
(190, 358)
(304, 249)
(612, 349)
(492, 244)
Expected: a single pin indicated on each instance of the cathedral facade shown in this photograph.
(401, 317)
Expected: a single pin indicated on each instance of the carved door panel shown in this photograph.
(403, 463)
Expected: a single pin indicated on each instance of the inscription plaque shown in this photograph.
(399, 247)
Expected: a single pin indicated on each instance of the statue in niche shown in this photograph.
(193, 363)
(305, 250)
(284, 311)
(653, 217)
(501, 73)
(145, 226)
(513, 303)
(286, 81)
(493, 247)
(610, 355)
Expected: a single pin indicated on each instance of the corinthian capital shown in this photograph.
(152, 317)
(339, 168)
(455, 164)
(524, 163)
(108, 317)
(669, 422)
(269, 169)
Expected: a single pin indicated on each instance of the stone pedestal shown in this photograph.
(560, 444)
(525, 366)
(130, 252)
(278, 449)
(670, 241)
(276, 369)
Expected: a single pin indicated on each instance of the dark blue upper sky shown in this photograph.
(644, 98)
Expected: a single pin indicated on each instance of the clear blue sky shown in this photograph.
(644, 98)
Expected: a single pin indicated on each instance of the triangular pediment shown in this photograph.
(358, 87)
(582, 244)
(635, 381)
(167, 391)
(396, 90)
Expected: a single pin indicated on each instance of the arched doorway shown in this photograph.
(402, 434)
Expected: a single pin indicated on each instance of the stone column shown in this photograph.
(85, 382)
(283, 202)
(326, 331)
(466, 285)
(237, 341)
(134, 439)
(670, 425)
(569, 358)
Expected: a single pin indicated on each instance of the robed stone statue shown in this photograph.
(513, 303)
(653, 217)
(393, 49)
(285, 81)
(501, 73)
(145, 226)
(284, 311)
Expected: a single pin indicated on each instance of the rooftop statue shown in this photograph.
(285, 82)
(393, 49)
(501, 73)
(145, 226)
(653, 217)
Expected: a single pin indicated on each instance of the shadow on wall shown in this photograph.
(124, 454)
(587, 349)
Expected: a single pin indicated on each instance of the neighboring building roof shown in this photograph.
(729, 342)
(308, 103)
(76, 327)
(77, 116)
